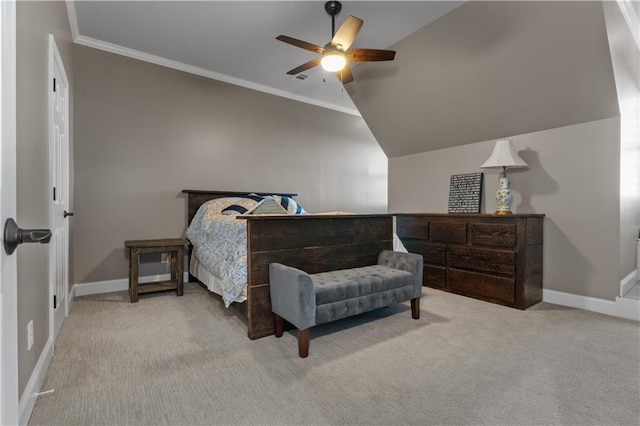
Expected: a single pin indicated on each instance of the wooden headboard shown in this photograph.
(196, 198)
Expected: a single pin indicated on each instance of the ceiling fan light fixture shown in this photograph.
(333, 61)
(336, 55)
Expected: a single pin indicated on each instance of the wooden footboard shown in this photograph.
(314, 243)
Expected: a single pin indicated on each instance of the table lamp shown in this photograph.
(504, 156)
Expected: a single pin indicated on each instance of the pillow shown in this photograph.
(289, 204)
(215, 206)
(267, 206)
(243, 205)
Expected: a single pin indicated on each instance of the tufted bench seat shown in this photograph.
(306, 300)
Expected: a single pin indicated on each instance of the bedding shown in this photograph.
(219, 240)
(210, 280)
(220, 244)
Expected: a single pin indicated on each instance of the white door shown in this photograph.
(59, 178)
(8, 264)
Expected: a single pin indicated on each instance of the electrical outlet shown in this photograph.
(30, 335)
(164, 258)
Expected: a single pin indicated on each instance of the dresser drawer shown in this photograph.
(435, 254)
(434, 276)
(448, 232)
(482, 285)
(414, 227)
(431, 253)
(487, 260)
(492, 234)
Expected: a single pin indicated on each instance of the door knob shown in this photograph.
(66, 213)
(13, 236)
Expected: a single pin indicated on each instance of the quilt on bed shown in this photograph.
(220, 243)
(219, 239)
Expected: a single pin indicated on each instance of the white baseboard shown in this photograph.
(34, 385)
(628, 308)
(98, 287)
(623, 308)
(628, 282)
(70, 298)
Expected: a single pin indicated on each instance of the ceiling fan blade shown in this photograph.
(299, 43)
(312, 63)
(346, 34)
(369, 55)
(344, 75)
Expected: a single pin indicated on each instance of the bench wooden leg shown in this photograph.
(303, 343)
(415, 308)
(279, 325)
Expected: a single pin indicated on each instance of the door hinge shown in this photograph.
(55, 302)
(54, 84)
(54, 193)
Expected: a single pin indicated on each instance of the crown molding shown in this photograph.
(180, 66)
(73, 19)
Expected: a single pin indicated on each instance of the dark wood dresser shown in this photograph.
(497, 258)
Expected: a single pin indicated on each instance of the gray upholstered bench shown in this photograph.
(306, 300)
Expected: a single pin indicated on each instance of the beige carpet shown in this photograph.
(187, 360)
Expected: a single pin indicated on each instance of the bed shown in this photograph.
(313, 242)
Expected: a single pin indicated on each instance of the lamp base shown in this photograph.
(503, 197)
(503, 212)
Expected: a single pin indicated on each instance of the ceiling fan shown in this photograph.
(335, 54)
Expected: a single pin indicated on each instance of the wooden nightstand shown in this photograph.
(174, 247)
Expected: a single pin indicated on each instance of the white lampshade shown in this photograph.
(504, 155)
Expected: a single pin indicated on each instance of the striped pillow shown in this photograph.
(243, 205)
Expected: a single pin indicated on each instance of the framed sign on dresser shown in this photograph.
(496, 258)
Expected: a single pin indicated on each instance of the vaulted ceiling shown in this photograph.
(489, 70)
(463, 73)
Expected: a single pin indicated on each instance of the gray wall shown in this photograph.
(573, 178)
(35, 21)
(143, 133)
